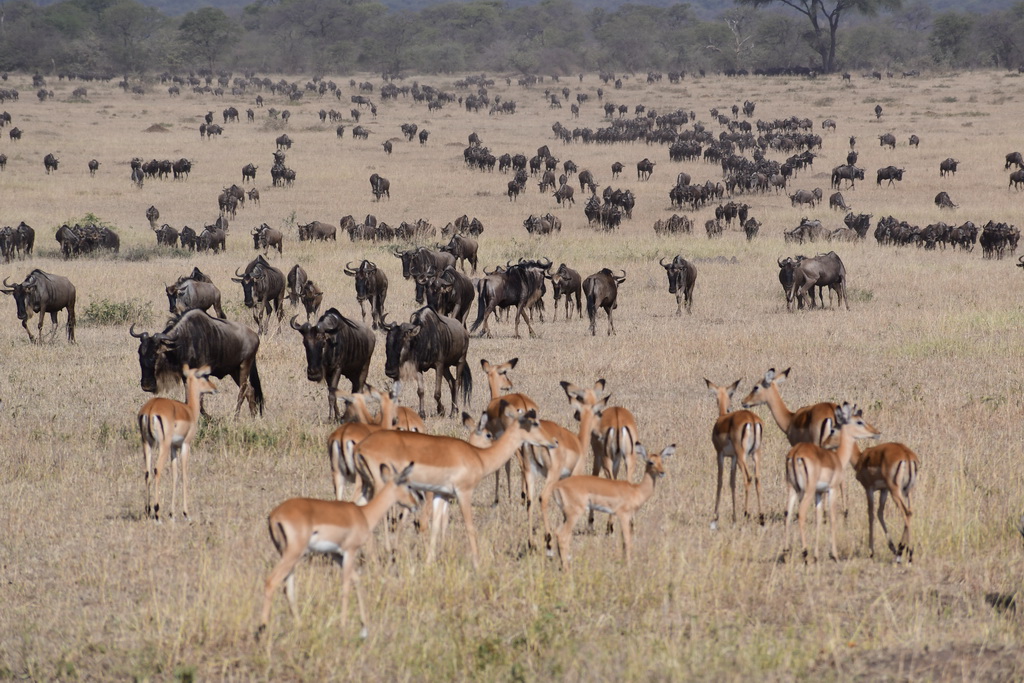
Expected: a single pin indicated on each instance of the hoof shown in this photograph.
(714, 526)
(363, 633)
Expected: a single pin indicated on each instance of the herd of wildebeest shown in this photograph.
(751, 158)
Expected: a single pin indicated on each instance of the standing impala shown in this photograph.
(301, 525)
(449, 468)
(576, 495)
(499, 382)
(812, 472)
(889, 468)
(736, 435)
(169, 426)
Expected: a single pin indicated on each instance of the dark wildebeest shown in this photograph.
(181, 168)
(947, 166)
(1014, 158)
(213, 238)
(520, 285)
(943, 201)
(586, 179)
(887, 139)
(823, 270)
(296, 280)
(371, 286)
(617, 169)
(914, 141)
(878, 109)
(166, 235)
(836, 201)
(424, 134)
(336, 347)
(566, 281)
(682, 275)
(380, 187)
(430, 341)
(194, 291)
(23, 240)
(312, 297)
(463, 249)
(93, 167)
(751, 227)
(249, 172)
(317, 231)
(644, 169)
(602, 291)
(564, 194)
(263, 286)
(284, 142)
(420, 260)
(890, 173)
(1016, 179)
(43, 293)
(811, 197)
(197, 339)
(388, 147)
(152, 215)
(265, 237)
(188, 238)
(254, 196)
(542, 225)
(50, 163)
(849, 173)
(449, 293)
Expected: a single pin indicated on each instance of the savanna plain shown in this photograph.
(930, 349)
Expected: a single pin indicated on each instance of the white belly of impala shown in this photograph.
(320, 545)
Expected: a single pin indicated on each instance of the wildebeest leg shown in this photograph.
(420, 379)
(611, 323)
(520, 313)
(679, 302)
(443, 372)
(362, 310)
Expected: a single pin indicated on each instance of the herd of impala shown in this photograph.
(391, 459)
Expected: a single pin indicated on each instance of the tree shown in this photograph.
(207, 32)
(949, 37)
(825, 17)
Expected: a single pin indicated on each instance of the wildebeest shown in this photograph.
(380, 187)
(386, 144)
(849, 173)
(836, 201)
(212, 237)
(914, 141)
(93, 166)
(194, 291)
(152, 215)
(463, 249)
(1016, 179)
(542, 225)
(336, 347)
(43, 293)
(586, 179)
(296, 281)
(188, 238)
(360, 132)
(311, 298)
(644, 169)
(265, 237)
(888, 139)
(520, 285)
(421, 260)
(166, 235)
(943, 201)
(371, 286)
(878, 108)
(602, 291)
(284, 142)
(1014, 158)
(616, 169)
(564, 194)
(682, 275)
(317, 231)
(50, 163)
(567, 282)
(811, 197)
(890, 173)
(807, 231)
(18, 241)
(947, 166)
(249, 172)
(181, 168)
(197, 339)
(263, 286)
(449, 293)
(823, 270)
(430, 341)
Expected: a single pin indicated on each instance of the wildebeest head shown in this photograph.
(407, 257)
(24, 296)
(153, 350)
(398, 347)
(675, 269)
(314, 341)
(364, 278)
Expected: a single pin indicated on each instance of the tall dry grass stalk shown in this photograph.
(931, 349)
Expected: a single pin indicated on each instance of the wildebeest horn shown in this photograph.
(779, 261)
(237, 274)
(385, 325)
(662, 262)
(396, 251)
(131, 331)
(622, 277)
(486, 273)
(348, 269)
(6, 283)
(292, 323)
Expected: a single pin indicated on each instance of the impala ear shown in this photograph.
(783, 375)
(599, 385)
(403, 476)
(468, 420)
(641, 450)
(511, 364)
(485, 365)
(601, 406)
(711, 387)
(668, 451)
(732, 387)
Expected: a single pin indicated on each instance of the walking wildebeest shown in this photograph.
(197, 339)
(43, 293)
(194, 291)
(263, 286)
(566, 281)
(296, 281)
(682, 275)
(520, 285)
(380, 187)
(371, 286)
(336, 347)
(947, 166)
(823, 270)
(890, 173)
(602, 291)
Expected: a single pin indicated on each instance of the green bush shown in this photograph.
(107, 312)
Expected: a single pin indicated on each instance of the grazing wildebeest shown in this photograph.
(380, 187)
(888, 139)
(93, 167)
(849, 173)
(249, 172)
(265, 237)
(296, 280)
(586, 179)
(947, 166)
(50, 163)
(751, 226)
(567, 282)
(43, 293)
(311, 297)
(811, 197)
(463, 249)
(823, 270)
(317, 231)
(602, 291)
(890, 173)
(449, 293)
(520, 285)
(836, 201)
(194, 292)
(644, 169)
(197, 339)
(682, 275)
(263, 286)
(943, 201)
(1014, 158)
(371, 286)
(336, 347)
(430, 341)
(564, 194)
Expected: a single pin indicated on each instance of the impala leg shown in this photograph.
(883, 496)
(832, 525)
(805, 504)
(283, 573)
(466, 503)
(790, 506)
(175, 457)
(732, 485)
(871, 522)
(626, 522)
(718, 491)
(904, 506)
(161, 463)
(756, 455)
(183, 454)
(819, 502)
(564, 537)
(435, 526)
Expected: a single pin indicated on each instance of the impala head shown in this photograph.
(849, 419)
(200, 376)
(591, 399)
(479, 435)
(656, 463)
(762, 390)
(407, 497)
(723, 394)
(497, 375)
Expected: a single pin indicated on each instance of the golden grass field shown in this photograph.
(931, 349)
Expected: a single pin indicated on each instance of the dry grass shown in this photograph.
(931, 349)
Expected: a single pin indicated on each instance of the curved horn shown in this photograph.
(237, 274)
(623, 276)
(292, 323)
(348, 269)
(6, 283)
(492, 272)
(779, 261)
(131, 331)
(662, 262)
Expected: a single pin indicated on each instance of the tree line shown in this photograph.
(124, 37)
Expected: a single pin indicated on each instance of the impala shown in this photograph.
(736, 435)
(341, 446)
(576, 495)
(889, 468)
(392, 415)
(449, 468)
(812, 472)
(499, 382)
(300, 525)
(614, 443)
(169, 426)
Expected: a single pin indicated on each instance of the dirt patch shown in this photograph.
(156, 128)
